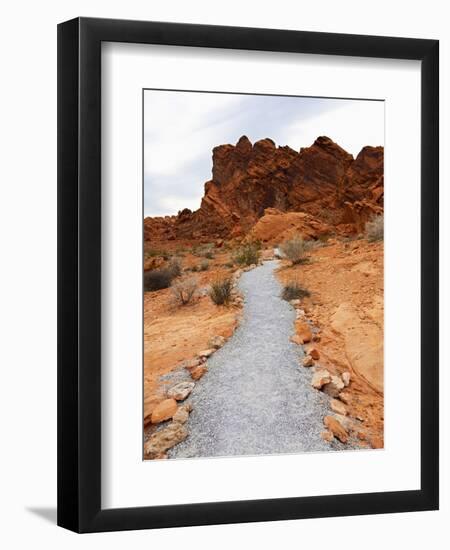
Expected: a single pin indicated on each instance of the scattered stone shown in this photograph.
(295, 302)
(320, 378)
(345, 397)
(338, 407)
(314, 352)
(316, 337)
(198, 372)
(206, 352)
(191, 363)
(336, 428)
(326, 435)
(334, 387)
(182, 414)
(164, 439)
(216, 342)
(303, 331)
(181, 390)
(308, 361)
(164, 410)
(346, 376)
(296, 340)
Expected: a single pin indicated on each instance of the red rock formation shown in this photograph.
(323, 181)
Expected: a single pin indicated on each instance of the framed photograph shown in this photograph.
(247, 276)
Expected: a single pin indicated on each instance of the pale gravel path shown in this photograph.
(255, 398)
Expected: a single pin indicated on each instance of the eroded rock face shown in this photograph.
(323, 182)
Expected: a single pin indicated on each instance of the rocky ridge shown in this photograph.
(333, 191)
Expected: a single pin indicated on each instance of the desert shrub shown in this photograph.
(247, 255)
(375, 229)
(294, 291)
(156, 279)
(174, 267)
(208, 255)
(204, 265)
(220, 291)
(229, 265)
(184, 291)
(194, 268)
(295, 249)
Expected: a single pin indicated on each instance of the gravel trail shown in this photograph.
(255, 398)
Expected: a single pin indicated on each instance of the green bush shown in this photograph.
(375, 229)
(247, 255)
(220, 291)
(294, 291)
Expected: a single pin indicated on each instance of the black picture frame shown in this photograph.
(79, 274)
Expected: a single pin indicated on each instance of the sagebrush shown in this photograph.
(295, 249)
(375, 229)
(184, 291)
(220, 291)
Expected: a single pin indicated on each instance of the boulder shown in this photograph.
(345, 397)
(163, 440)
(303, 331)
(198, 372)
(334, 387)
(164, 410)
(182, 414)
(338, 407)
(346, 377)
(307, 361)
(206, 353)
(216, 342)
(191, 363)
(320, 378)
(180, 391)
(336, 428)
(314, 352)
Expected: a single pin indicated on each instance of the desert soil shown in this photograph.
(256, 398)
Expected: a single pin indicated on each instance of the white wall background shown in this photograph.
(28, 254)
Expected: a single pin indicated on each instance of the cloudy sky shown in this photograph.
(181, 129)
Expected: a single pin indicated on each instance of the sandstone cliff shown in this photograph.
(323, 181)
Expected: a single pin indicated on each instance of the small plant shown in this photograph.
(184, 291)
(229, 265)
(375, 229)
(247, 255)
(208, 255)
(295, 249)
(294, 291)
(194, 268)
(157, 279)
(220, 291)
(174, 267)
(204, 265)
